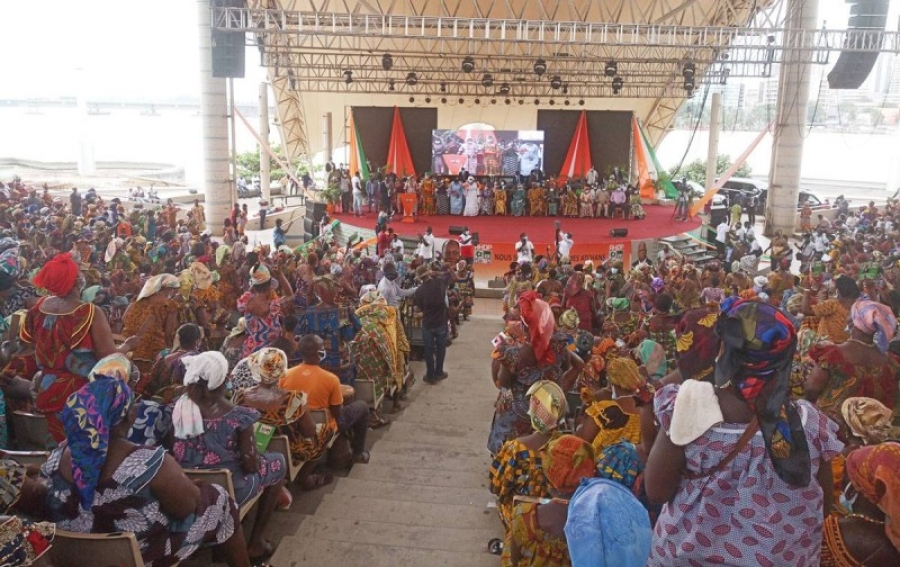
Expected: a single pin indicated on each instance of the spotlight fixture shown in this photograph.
(540, 67)
(493, 101)
(688, 70)
(565, 89)
(468, 64)
(611, 69)
(555, 82)
(581, 102)
(477, 101)
(552, 102)
(411, 78)
(507, 101)
(504, 88)
(567, 103)
(537, 101)
(412, 99)
(689, 84)
(723, 80)
(617, 84)
(521, 101)
(387, 61)
(391, 85)
(690, 94)
(443, 100)
(462, 100)
(443, 87)
(428, 99)
(487, 80)
(348, 76)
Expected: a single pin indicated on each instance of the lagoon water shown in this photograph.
(174, 137)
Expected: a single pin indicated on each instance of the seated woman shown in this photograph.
(617, 419)
(211, 432)
(165, 377)
(869, 534)
(153, 319)
(281, 408)
(536, 535)
(100, 482)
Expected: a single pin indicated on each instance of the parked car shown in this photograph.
(814, 201)
(697, 191)
(743, 188)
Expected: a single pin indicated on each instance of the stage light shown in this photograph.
(581, 102)
(537, 101)
(387, 61)
(412, 99)
(567, 103)
(493, 101)
(723, 80)
(611, 68)
(555, 82)
(540, 67)
(443, 100)
(617, 84)
(468, 64)
(348, 76)
(428, 99)
(391, 85)
(521, 101)
(504, 89)
(411, 78)
(689, 84)
(477, 101)
(565, 89)
(487, 80)
(507, 101)
(688, 70)
(443, 87)
(462, 100)
(552, 102)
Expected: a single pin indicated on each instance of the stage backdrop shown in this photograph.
(610, 133)
(374, 126)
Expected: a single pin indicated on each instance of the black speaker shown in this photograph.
(315, 211)
(717, 215)
(475, 239)
(308, 225)
(227, 46)
(853, 67)
(457, 230)
(618, 232)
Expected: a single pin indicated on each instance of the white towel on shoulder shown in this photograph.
(696, 410)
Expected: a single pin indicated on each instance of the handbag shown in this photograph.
(748, 434)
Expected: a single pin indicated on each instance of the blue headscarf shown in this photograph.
(620, 462)
(607, 526)
(88, 417)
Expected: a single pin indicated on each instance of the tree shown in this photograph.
(696, 170)
(248, 164)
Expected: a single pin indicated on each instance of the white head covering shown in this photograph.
(212, 367)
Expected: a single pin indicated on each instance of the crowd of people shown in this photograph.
(662, 413)
(153, 348)
(467, 195)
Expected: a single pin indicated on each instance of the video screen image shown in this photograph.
(483, 151)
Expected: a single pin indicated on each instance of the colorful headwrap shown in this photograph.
(116, 365)
(58, 276)
(267, 365)
(88, 417)
(12, 478)
(372, 297)
(867, 419)
(260, 275)
(653, 357)
(618, 303)
(607, 526)
(9, 262)
(222, 252)
(156, 283)
(759, 343)
(873, 471)
(202, 276)
(620, 462)
(566, 460)
(546, 405)
(569, 319)
(870, 316)
(657, 284)
(575, 283)
(696, 343)
(623, 373)
(537, 315)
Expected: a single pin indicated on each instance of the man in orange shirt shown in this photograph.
(323, 391)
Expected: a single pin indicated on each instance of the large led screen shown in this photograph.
(483, 151)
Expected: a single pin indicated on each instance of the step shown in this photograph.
(425, 477)
(439, 516)
(401, 491)
(414, 455)
(320, 553)
(675, 238)
(382, 534)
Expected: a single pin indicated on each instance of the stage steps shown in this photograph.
(423, 499)
(693, 250)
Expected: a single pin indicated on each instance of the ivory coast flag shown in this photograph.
(357, 155)
(647, 165)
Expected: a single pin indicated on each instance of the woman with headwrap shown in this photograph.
(528, 351)
(536, 535)
(100, 482)
(464, 284)
(15, 294)
(167, 374)
(262, 307)
(857, 367)
(617, 419)
(868, 420)
(375, 350)
(233, 345)
(696, 346)
(211, 432)
(581, 300)
(868, 534)
(620, 314)
(660, 326)
(68, 335)
(286, 410)
(153, 318)
(516, 469)
(710, 464)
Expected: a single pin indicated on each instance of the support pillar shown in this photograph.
(327, 137)
(217, 184)
(790, 126)
(265, 178)
(715, 119)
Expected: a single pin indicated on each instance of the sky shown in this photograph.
(140, 49)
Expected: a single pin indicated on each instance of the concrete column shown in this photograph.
(265, 179)
(790, 125)
(715, 119)
(327, 138)
(217, 184)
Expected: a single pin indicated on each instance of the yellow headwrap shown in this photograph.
(546, 405)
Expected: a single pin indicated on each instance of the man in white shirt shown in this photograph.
(396, 245)
(565, 244)
(722, 236)
(524, 249)
(359, 195)
(592, 176)
(426, 245)
(389, 286)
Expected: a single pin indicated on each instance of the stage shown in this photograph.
(497, 235)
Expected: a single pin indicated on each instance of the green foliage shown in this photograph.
(332, 193)
(696, 170)
(248, 165)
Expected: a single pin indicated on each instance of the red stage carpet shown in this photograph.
(506, 230)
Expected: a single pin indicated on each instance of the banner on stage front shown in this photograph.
(484, 254)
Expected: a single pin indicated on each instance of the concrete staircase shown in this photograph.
(423, 498)
(692, 250)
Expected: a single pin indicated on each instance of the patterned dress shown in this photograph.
(516, 471)
(615, 425)
(261, 331)
(744, 515)
(373, 349)
(145, 318)
(286, 418)
(537, 547)
(125, 503)
(337, 326)
(217, 448)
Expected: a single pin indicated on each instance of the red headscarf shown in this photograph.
(537, 315)
(58, 275)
